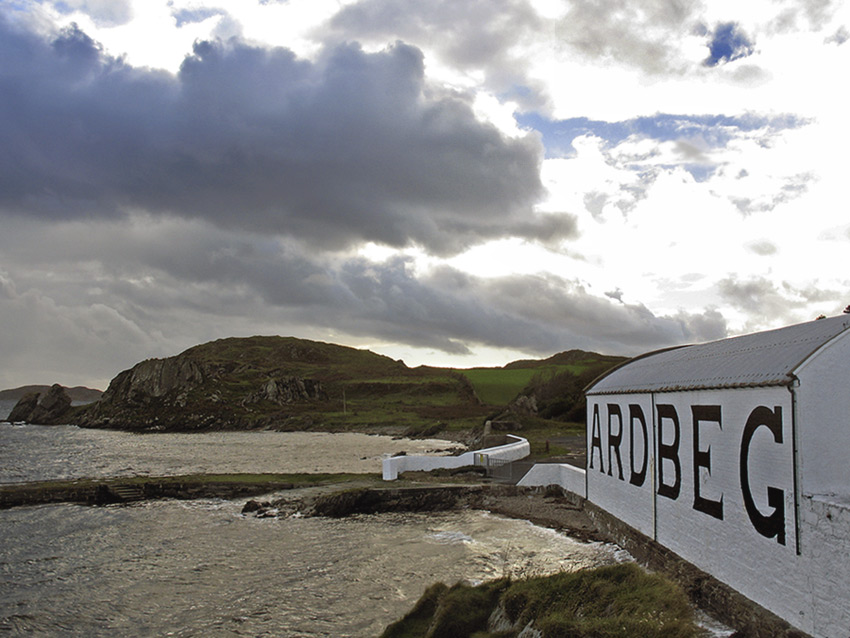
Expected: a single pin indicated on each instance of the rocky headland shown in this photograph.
(280, 383)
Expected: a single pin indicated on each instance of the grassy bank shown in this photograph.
(621, 601)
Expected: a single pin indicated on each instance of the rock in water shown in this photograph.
(52, 407)
(49, 410)
(23, 408)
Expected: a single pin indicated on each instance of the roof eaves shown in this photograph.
(787, 381)
(627, 362)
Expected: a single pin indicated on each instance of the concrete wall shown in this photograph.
(567, 476)
(517, 448)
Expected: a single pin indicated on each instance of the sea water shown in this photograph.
(201, 568)
(170, 568)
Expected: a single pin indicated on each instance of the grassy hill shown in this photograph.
(285, 383)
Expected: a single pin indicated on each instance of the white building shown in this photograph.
(734, 455)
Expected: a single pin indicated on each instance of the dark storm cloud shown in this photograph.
(466, 35)
(449, 310)
(354, 147)
(176, 277)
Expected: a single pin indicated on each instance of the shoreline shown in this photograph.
(342, 495)
(108, 491)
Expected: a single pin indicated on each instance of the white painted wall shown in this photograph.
(825, 578)
(823, 410)
(803, 577)
(568, 476)
(517, 448)
(610, 468)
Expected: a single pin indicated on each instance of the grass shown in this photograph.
(500, 386)
(620, 601)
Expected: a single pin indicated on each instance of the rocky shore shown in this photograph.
(541, 506)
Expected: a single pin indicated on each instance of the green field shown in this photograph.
(500, 386)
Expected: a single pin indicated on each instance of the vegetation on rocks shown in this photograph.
(283, 383)
(620, 601)
(290, 384)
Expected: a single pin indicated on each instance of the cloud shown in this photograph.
(126, 290)
(350, 148)
(644, 34)
(106, 13)
(728, 43)
(769, 303)
(184, 16)
(469, 36)
(48, 342)
(763, 248)
(803, 14)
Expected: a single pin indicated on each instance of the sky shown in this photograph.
(455, 182)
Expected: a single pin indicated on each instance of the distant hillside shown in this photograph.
(578, 360)
(78, 394)
(500, 386)
(557, 391)
(284, 383)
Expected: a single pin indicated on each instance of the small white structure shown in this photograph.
(734, 454)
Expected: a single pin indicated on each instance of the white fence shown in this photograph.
(517, 448)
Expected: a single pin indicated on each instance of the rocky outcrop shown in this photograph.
(155, 379)
(23, 408)
(50, 409)
(286, 390)
(190, 393)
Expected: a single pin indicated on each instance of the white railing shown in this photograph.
(517, 448)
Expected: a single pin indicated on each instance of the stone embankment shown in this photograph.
(538, 505)
(118, 490)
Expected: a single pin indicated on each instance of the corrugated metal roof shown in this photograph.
(759, 359)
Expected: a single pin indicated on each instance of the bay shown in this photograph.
(38, 453)
(201, 568)
(170, 568)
